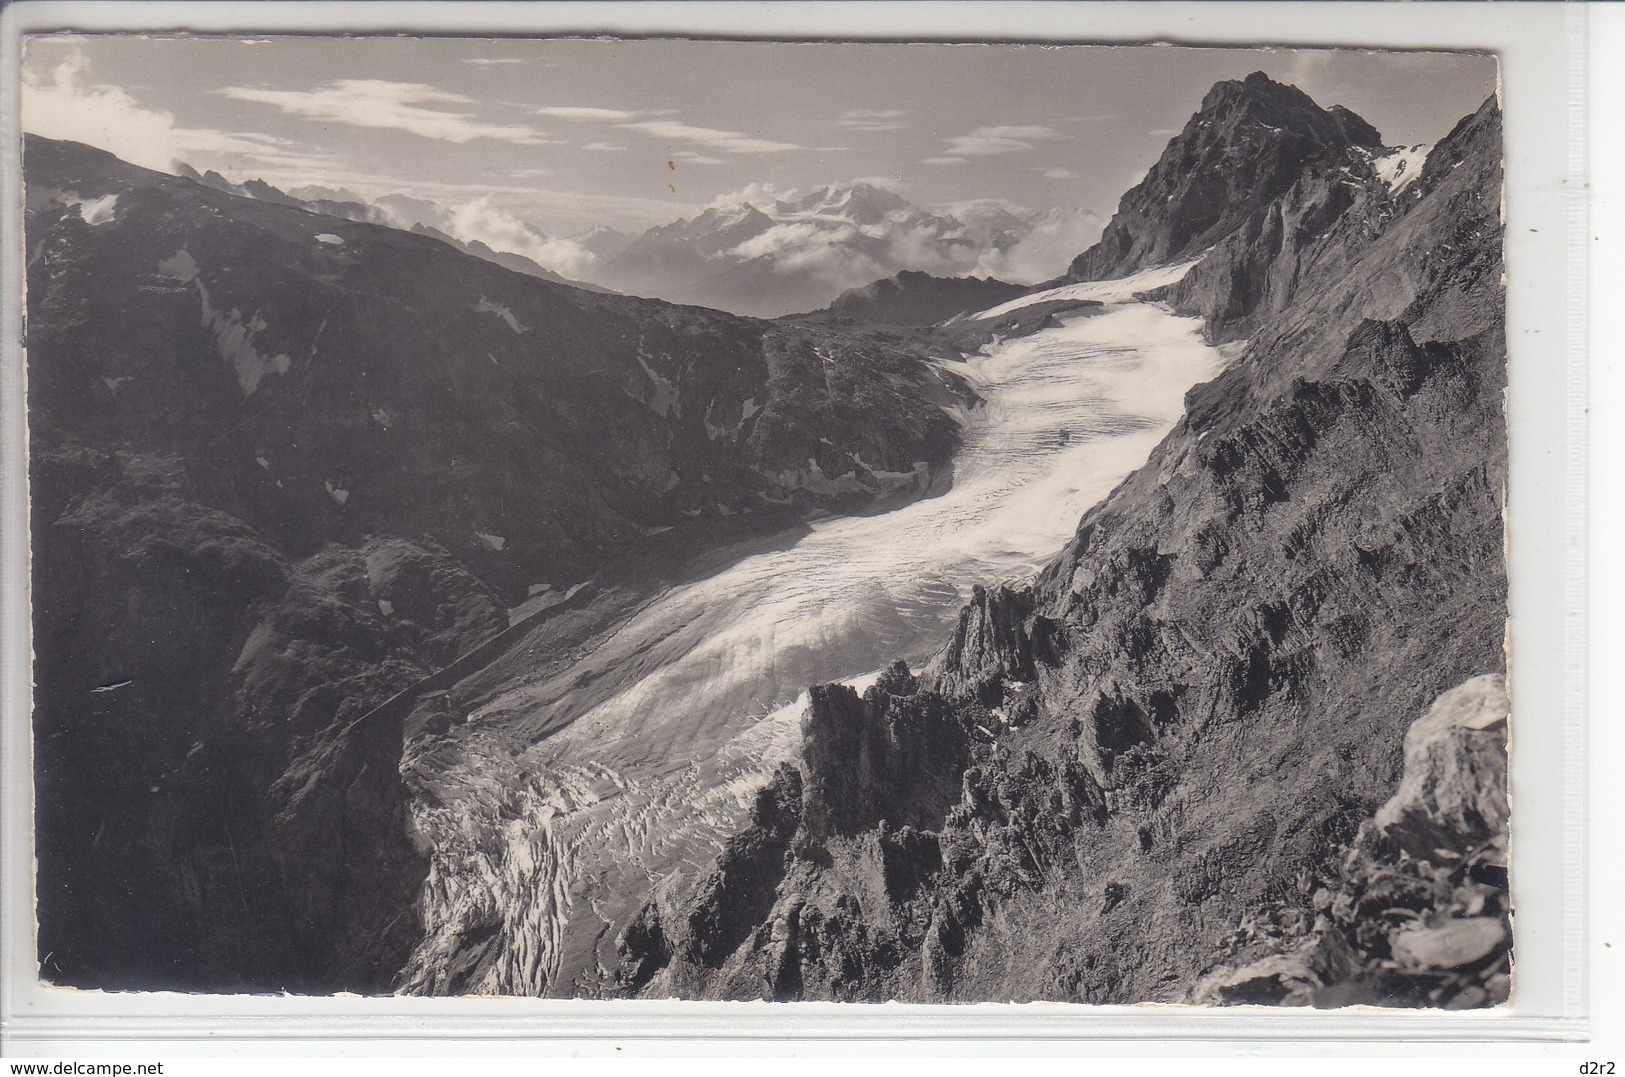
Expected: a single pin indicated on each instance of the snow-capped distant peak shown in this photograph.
(1398, 168)
(733, 214)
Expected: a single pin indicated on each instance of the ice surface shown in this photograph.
(1122, 290)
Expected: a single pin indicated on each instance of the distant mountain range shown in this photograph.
(788, 255)
(799, 254)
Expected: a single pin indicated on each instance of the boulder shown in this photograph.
(1453, 796)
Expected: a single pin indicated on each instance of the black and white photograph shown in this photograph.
(651, 518)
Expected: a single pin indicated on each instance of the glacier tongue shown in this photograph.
(567, 797)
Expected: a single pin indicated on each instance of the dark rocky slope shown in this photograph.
(284, 466)
(918, 299)
(1189, 714)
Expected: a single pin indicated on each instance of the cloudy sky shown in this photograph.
(569, 133)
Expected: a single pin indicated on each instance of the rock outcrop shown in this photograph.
(918, 299)
(1191, 712)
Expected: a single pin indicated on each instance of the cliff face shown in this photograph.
(284, 466)
(1193, 709)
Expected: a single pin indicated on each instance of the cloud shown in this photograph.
(995, 141)
(871, 120)
(1057, 173)
(983, 237)
(587, 113)
(828, 254)
(58, 103)
(944, 161)
(708, 137)
(501, 230)
(398, 106)
(885, 183)
(483, 61)
(1044, 252)
(484, 221)
(1037, 132)
(604, 147)
(688, 157)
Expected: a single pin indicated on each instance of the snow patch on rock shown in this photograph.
(179, 265)
(485, 306)
(97, 211)
(235, 340)
(1399, 168)
(664, 397)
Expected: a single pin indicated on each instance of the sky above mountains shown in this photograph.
(567, 133)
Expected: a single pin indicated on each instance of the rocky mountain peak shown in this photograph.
(862, 203)
(1261, 98)
(1250, 141)
(719, 226)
